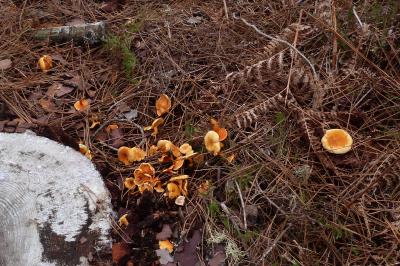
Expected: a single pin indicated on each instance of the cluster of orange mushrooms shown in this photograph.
(144, 177)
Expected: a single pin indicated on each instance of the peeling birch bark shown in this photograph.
(54, 206)
(92, 33)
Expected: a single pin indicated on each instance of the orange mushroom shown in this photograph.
(123, 220)
(154, 126)
(111, 127)
(337, 141)
(125, 155)
(212, 143)
(173, 190)
(152, 151)
(45, 63)
(129, 155)
(82, 105)
(163, 104)
(222, 132)
(204, 187)
(129, 183)
(145, 180)
(166, 244)
(85, 151)
(138, 154)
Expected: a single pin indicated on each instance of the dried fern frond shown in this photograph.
(259, 70)
(284, 98)
(287, 34)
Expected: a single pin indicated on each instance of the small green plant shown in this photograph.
(214, 209)
(190, 130)
(120, 45)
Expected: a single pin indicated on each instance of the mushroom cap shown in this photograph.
(164, 145)
(111, 127)
(129, 183)
(152, 151)
(125, 155)
(163, 104)
(173, 190)
(222, 133)
(337, 141)
(137, 154)
(214, 148)
(81, 105)
(186, 148)
(123, 221)
(178, 163)
(45, 63)
(211, 137)
(166, 244)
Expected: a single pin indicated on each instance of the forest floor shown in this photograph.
(273, 195)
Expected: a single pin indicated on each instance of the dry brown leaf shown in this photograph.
(165, 233)
(5, 64)
(47, 104)
(119, 250)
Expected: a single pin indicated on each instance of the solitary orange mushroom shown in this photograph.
(81, 105)
(337, 141)
(163, 104)
(45, 63)
(123, 221)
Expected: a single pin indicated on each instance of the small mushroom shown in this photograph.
(166, 244)
(173, 190)
(337, 141)
(154, 126)
(163, 104)
(204, 187)
(212, 142)
(129, 183)
(222, 132)
(111, 127)
(125, 155)
(45, 63)
(138, 154)
(85, 151)
(82, 105)
(123, 220)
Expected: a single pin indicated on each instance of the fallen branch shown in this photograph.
(91, 33)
